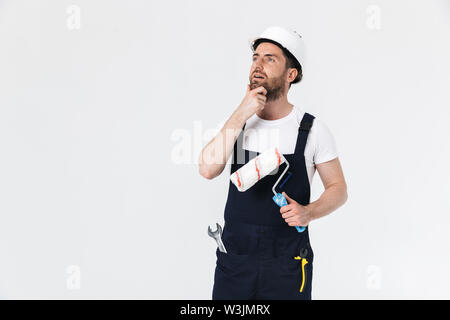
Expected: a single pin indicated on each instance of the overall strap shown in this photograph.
(303, 131)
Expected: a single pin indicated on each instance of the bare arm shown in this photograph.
(335, 194)
(215, 154)
(333, 197)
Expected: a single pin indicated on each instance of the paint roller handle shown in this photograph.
(281, 201)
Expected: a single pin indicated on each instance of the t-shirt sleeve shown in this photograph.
(325, 144)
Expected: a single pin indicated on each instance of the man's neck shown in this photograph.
(274, 110)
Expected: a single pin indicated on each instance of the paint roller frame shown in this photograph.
(281, 175)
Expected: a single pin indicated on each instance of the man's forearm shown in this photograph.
(215, 154)
(332, 198)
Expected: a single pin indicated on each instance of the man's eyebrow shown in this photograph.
(266, 55)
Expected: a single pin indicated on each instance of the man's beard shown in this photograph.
(274, 86)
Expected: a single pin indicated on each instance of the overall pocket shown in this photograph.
(234, 261)
(230, 263)
(303, 262)
(299, 268)
(238, 243)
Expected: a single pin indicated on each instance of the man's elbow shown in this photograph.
(341, 191)
(203, 168)
(207, 174)
(344, 192)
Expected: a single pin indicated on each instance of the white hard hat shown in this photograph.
(289, 39)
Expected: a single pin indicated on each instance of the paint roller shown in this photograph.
(259, 167)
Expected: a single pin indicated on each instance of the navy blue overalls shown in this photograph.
(266, 258)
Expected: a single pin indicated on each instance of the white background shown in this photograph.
(93, 113)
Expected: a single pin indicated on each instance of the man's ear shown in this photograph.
(293, 72)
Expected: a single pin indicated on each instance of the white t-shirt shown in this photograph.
(260, 135)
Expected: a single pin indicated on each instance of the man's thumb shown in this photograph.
(248, 88)
(288, 198)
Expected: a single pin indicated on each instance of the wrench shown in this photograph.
(217, 235)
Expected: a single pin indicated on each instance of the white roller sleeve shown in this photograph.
(256, 169)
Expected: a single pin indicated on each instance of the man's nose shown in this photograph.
(258, 67)
(258, 64)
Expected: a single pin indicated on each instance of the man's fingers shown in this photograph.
(260, 98)
(261, 90)
(284, 209)
(289, 200)
(296, 224)
(291, 219)
(288, 215)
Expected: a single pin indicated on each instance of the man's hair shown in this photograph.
(291, 62)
